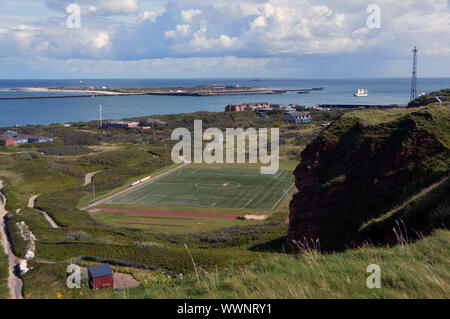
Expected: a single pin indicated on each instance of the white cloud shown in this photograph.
(147, 15)
(101, 40)
(107, 7)
(50, 41)
(254, 29)
(189, 15)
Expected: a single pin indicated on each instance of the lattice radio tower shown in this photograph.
(414, 76)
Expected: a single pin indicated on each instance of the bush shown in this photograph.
(65, 150)
(81, 235)
(148, 245)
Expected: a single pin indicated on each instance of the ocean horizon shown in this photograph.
(382, 91)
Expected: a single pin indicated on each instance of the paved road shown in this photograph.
(14, 282)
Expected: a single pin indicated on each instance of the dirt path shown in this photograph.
(32, 201)
(396, 209)
(50, 220)
(127, 189)
(14, 282)
(423, 192)
(31, 204)
(88, 177)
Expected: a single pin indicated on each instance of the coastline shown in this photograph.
(47, 89)
(148, 91)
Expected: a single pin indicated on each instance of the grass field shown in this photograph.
(210, 187)
(170, 224)
(418, 270)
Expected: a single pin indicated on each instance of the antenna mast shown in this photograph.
(101, 119)
(414, 76)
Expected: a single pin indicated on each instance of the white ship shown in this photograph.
(361, 92)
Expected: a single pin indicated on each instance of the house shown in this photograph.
(120, 124)
(13, 138)
(101, 276)
(37, 139)
(247, 106)
(297, 117)
(6, 141)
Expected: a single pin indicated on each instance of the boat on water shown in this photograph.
(361, 92)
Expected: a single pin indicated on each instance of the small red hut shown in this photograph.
(101, 276)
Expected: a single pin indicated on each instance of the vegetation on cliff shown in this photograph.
(365, 164)
(430, 98)
(418, 270)
(4, 291)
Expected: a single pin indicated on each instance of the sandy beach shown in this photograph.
(86, 91)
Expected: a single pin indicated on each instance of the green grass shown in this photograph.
(4, 291)
(86, 200)
(235, 188)
(169, 224)
(420, 270)
(243, 258)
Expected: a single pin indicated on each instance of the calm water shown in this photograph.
(47, 111)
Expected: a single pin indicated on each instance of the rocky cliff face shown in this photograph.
(361, 166)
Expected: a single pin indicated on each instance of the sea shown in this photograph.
(49, 111)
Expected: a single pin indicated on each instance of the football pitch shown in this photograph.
(210, 187)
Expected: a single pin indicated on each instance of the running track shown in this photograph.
(153, 212)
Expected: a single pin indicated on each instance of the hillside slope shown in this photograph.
(365, 164)
(414, 271)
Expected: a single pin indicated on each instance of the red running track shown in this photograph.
(151, 212)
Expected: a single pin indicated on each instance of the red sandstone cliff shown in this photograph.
(358, 169)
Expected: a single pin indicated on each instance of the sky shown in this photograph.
(223, 39)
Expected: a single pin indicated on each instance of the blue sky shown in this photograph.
(209, 38)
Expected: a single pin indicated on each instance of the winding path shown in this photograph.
(32, 201)
(31, 204)
(14, 283)
(88, 177)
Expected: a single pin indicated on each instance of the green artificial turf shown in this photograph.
(233, 188)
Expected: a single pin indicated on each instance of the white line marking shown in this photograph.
(282, 196)
(251, 199)
(196, 171)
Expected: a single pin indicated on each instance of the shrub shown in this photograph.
(81, 235)
(65, 150)
(148, 245)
